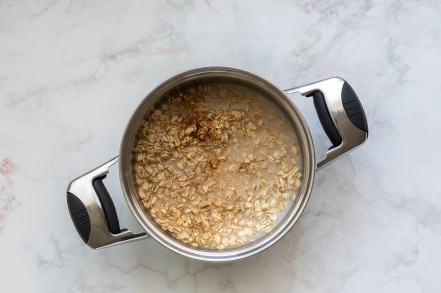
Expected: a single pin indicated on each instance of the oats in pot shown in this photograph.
(217, 165)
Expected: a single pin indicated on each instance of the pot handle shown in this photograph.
(93, 212)
(340, 113)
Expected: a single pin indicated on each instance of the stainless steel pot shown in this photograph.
(340, 114)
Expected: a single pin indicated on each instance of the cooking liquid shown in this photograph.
(217, 165)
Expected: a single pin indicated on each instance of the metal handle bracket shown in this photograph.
(88, 214)
(345, 111)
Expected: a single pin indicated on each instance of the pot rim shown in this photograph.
(304, 139)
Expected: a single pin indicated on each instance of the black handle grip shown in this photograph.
(341, 115)
(93, 212)
(108, 206)
(353, 108)
(79, 215)
(325, 118)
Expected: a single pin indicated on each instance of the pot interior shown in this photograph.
(216, 164)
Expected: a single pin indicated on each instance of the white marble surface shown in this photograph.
(72, 73)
